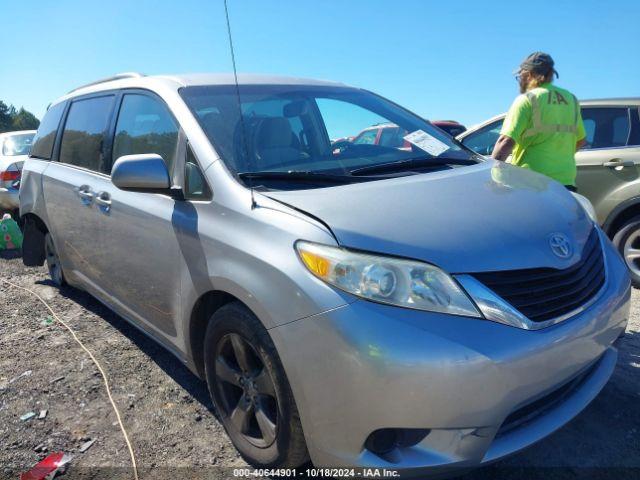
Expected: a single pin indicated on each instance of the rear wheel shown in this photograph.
(250, 390)
(627, 241)
(53, 261)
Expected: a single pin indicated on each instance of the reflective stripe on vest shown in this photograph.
(539, 127)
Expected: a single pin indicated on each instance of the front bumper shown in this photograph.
(9, 198)
(365, 366)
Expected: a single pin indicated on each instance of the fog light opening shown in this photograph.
(409, 437)
(385, 440)
(382, 441)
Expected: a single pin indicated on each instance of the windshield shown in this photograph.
(313, 130)
(17, 144)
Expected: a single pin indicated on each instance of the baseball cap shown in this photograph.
(537, 62)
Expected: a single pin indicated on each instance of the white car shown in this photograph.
(14, 150)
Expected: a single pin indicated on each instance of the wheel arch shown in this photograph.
(205, 306)
(624, 212)
(35, 229)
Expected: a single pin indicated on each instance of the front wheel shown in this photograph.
(627, 241)
(250, 390)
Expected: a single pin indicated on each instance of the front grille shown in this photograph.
(533, 410)
(545, 293)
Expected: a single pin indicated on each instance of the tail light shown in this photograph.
(10, 175)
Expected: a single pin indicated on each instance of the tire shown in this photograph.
(250, 390)
(53, 261)
(627, 241)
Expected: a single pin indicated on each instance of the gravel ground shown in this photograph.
(169, 416)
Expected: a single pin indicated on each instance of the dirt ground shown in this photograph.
(169, 416)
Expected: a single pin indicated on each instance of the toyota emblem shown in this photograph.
(560, 245)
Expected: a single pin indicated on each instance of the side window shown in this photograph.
(606, 127)
(84, 133)
(268, 119)
(46, 135)
(145, 126)
(483, 140)
(195, 185)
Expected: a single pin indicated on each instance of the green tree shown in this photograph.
(24, 120)
(5, 118)
(11, 120)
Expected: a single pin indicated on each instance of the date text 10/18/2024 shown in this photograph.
(317, 472)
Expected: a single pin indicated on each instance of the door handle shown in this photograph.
(104, 200)
(85, 194)
(618, 162)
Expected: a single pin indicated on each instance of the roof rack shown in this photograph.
(117, 76)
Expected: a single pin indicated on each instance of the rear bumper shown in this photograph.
(9, 198)
(365, 366)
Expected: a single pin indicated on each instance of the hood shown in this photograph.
(486, 217)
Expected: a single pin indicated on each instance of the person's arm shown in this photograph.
(581, 143)
(518, 119)
(503, 148)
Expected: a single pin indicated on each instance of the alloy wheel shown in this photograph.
(631, 252)
(246, 389)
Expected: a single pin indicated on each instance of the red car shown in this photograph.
(452, 127)
(390, 135)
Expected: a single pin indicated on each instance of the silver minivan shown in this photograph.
(412, 307)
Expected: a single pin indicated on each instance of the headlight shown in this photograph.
(394, 281)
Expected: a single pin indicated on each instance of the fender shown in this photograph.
(615, 213)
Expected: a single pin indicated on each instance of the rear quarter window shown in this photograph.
(46, 136)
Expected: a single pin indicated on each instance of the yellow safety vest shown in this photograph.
(545, 124)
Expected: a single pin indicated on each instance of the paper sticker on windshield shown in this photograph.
(426, 142)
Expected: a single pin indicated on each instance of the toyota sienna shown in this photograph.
(417, 308)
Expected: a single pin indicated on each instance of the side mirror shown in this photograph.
(141, 173)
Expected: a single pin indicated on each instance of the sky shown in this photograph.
(441, 59)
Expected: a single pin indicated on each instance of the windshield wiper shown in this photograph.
(299, 175)
(410, 163)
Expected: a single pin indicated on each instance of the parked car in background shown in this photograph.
(14, 150)
(384, 134)
(390, 135)
(482, 137)
(452, 127)
(608, 168)
(413, 308)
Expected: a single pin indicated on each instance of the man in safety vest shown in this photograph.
(543, 128)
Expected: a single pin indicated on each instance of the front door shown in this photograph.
(141, 255)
